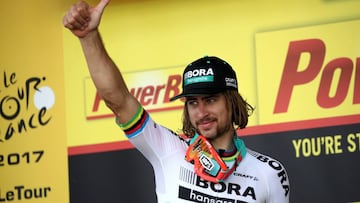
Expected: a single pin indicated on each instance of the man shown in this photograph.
(208, 162)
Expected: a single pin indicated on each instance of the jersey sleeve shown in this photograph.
(151, 139)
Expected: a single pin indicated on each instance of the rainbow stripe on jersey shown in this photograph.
(136, 124)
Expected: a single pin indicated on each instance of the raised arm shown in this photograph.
(83, 21)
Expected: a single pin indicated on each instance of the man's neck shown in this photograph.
(224, 142)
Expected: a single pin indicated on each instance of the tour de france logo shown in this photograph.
(24, 104)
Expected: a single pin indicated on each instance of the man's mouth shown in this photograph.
(205, 124)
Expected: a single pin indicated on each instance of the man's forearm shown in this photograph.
(106, 75)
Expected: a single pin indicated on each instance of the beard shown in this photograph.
(213, 133)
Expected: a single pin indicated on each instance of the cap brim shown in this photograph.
(188, 95)
(201, 93)
(177, 97)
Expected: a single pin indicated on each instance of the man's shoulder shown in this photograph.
(263, 162)
(269, 169)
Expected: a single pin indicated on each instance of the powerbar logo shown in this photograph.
(313, 73)
(316, 66)
(153, 89)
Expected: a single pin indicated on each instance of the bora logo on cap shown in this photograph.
(198, 75)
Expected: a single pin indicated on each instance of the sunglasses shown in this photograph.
(207, 162)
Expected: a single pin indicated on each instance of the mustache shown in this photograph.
(205, 120)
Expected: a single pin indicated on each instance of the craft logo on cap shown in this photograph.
(231, 82)
(198, 75)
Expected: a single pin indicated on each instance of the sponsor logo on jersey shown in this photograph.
(281, 173)
(254, 178)
(235, 190)
(196, 196)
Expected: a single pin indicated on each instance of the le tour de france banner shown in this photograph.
(33, 149)
(306, 90)
(32, 158)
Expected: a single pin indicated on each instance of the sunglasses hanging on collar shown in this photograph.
(207, 162)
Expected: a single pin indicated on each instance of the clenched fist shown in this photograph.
(82, 18)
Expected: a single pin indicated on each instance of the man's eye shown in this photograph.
(191, 102)
(211, 100)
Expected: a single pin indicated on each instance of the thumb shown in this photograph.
(101, 5)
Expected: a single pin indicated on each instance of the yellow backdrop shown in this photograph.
(148, 36)
(33, 148)
(141, 36)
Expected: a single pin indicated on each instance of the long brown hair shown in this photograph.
(239, 108)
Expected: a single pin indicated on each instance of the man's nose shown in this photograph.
(202, 109)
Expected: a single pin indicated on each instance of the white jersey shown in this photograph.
(257, 178)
